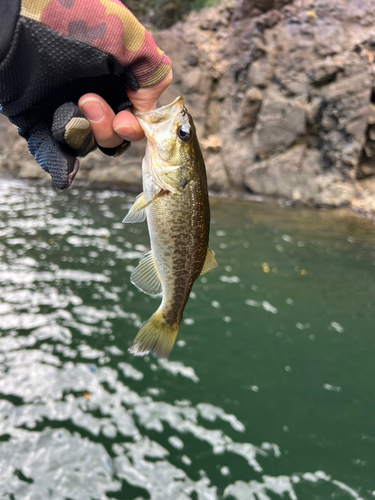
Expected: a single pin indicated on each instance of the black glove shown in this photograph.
(42, 76)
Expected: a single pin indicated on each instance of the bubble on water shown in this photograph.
(225, 471)
(215, 304)
(230, 279)
(181, 343)
(253, 303)
(176, 442)
(114, 350)
(346, 488)
(189, 321)
(336, 326)
(221, 233)
(186, 460)
(227, 319)
(287, 238)
(333, 388)
(178, 368)
(154, 391)
(269, 307)
(211, 413)
(288, 369)
(140, 248)
(130, 372)
(281, 486)
(272, 447)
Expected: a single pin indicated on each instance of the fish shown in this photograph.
(176, 205)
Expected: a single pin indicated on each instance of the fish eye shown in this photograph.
(183, 134)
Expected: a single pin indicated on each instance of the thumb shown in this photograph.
(51, 156)
(145, 99)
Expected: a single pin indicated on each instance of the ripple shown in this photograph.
(80, 419)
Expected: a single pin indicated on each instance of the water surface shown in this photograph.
(268, 393)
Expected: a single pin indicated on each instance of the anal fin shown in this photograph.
(146, 277)
(210, 262)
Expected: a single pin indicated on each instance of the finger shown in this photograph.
(101, 116)
(145, 99)
(126, 125)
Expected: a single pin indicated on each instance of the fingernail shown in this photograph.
(127, 131)
(93, 110)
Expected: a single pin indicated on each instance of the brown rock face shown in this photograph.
(282, 96)
(287, 87)
(251, 8)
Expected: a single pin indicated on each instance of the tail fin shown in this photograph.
(155, 336)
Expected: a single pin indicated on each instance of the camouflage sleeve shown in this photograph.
(108, 26)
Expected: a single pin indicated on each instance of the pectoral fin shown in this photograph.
(137, 213)
(209, 263)
(146, 277)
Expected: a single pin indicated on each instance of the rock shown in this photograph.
(277, 176)
(344, 121)
(324, 72)
(364, 200)
(249, 109)
(250, 8)
(260, 73)
(217, 177)
(371, 132)
(371, 114)
(280, 123)
(296, 174)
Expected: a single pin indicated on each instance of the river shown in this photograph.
(268, 392)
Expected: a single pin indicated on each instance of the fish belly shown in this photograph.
(173, 239)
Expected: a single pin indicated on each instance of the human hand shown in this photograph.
(62, 50)
(110, 129)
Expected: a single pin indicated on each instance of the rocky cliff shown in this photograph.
(282, 93)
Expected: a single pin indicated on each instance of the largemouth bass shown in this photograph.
(175, 202)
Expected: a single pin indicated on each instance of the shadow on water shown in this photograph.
(268, 392)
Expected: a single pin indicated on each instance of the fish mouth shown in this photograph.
(161, 114)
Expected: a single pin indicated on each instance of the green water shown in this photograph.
(268, 393)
